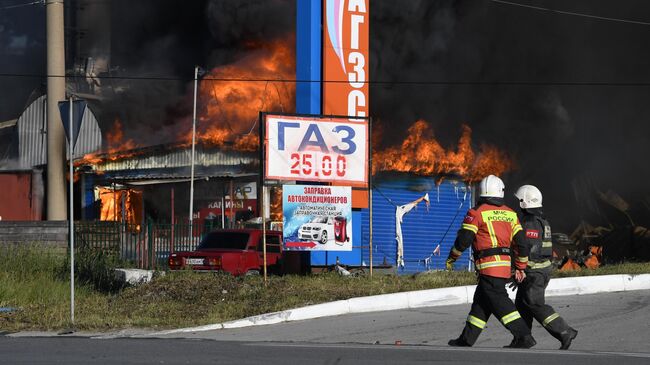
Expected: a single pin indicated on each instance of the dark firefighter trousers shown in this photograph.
(531, 304)
(490, 298)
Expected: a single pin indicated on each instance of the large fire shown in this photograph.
(229, 101)
(420, 153)
(232, 96)
(116, 148)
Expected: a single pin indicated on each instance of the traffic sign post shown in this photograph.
(71, 115)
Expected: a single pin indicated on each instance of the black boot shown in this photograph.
(458, 342)
(524, 342)
(566, 337)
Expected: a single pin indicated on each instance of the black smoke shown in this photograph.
(162, 42)
(566, 96)
(22, 52)
(548, 88)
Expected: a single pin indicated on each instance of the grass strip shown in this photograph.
(35, 282)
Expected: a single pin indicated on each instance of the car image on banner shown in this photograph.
(319, 229)
(317, 218)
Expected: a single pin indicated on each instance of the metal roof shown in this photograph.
(172, 161)
(176, 157)
(8, 123)
(176, 179)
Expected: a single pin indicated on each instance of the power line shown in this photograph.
(40, 2)
(376, 82)
(572, 13)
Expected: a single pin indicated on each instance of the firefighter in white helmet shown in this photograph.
(530, 295)
(490, 228)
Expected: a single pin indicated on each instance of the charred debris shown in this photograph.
(612, 231)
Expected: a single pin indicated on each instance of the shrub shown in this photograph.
(96, 267)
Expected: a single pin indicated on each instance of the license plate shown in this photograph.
(194, 261)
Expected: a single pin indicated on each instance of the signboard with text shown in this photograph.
(317, 218)
(242, 207)
(316, 148)
(346, 28)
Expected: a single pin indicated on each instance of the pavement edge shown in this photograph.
(424, 298)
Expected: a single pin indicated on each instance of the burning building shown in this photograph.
(223, 178)
(414, 236)
(226, 163)
(430, 62)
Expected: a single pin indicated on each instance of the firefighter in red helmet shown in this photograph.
(490, 228)
(530, 300)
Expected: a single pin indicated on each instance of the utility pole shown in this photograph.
(56, 193)
(191, 216)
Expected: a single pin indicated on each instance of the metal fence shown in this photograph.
(144, 246)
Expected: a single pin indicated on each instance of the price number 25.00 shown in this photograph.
(315, 165)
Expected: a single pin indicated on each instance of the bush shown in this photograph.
(96, 267)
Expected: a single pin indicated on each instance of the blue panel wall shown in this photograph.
(422, 230)
(308, 74)
(88, 197)
(308, 56)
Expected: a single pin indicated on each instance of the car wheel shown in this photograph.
(252, 272)
(323, 237)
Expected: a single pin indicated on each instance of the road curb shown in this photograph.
(424, 298)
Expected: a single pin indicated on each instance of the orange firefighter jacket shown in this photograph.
(491, 229)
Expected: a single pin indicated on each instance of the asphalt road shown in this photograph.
(613, 328)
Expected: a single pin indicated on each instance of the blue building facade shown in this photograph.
(423, 228)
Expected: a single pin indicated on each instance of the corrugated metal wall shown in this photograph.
(32, 135)
(422, 229)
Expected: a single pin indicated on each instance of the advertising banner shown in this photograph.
(346, 28)
(313, 148)
(317, 218)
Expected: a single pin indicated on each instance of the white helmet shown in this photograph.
(491, 187)
(529, 197)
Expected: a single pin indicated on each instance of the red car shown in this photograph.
(237, 251)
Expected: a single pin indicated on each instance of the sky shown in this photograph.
(565, 95)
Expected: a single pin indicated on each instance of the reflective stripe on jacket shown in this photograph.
(494, 226)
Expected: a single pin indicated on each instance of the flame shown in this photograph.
(114, 200)
(115, 148)
(275, 210)
(233, 95)
(420, 153)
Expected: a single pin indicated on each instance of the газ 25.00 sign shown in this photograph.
(313, 148)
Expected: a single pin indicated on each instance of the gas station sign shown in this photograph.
(314, 148)
(346, 28)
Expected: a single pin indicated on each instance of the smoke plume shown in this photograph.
(565, 96)
(540, 85)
